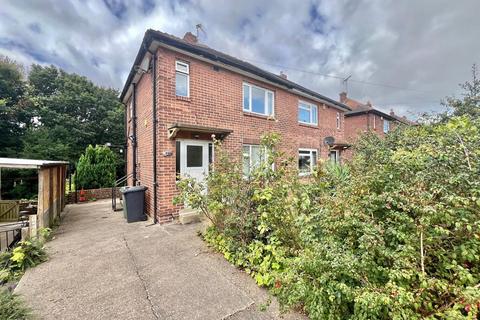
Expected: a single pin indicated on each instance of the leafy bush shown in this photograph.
(395, 234)
(25, 255)
(12, 307)
(96, 168)
(45, 234)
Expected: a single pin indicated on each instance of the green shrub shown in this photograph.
(96, 168)
(394, 234)
(25, 255)
(45, 234)
(12, 307)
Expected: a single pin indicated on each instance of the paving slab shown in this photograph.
(100, 267)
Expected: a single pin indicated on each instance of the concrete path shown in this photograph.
(100, 267)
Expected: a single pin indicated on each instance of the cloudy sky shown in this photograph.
(405, 55)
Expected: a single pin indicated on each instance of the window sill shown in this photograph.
(313, 126)
(181, 98)
(256, 115)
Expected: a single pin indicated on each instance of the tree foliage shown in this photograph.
(469, 104)
(96, 168)
(395, 234)
(13, 105)
(48, 113)
(71, 113)
(53, 114)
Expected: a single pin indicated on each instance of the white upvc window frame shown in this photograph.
(183, 72)
(313, 164)
(249, 107)
(250, 164)
(374, 122)
(309, 107)
(339, 121)
(386, 125)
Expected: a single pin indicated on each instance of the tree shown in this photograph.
(96, 168)
(13, 117)
(43, 80)
(469, 104)
(70, 113)
(51, 114)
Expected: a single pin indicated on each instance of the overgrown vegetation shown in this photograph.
(13, 264)
(398, 239)
(394, 234)
(26, 254)
(12, 306)
(96, 168)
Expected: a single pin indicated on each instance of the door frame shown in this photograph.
(183, 154)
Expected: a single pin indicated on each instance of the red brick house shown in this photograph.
(180, 92)
(364, 117)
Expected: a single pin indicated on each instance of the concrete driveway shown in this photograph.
(100, 267)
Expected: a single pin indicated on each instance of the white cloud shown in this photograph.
(425, 47)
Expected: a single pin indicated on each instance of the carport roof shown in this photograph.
(16, 163)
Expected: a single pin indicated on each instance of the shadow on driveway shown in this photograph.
(100, 267)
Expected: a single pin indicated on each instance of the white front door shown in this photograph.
(194, 159)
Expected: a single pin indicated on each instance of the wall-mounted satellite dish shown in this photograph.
(329, 141)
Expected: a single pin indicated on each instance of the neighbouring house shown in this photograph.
(180, 93)
(364, 117)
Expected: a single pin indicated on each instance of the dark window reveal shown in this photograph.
(177, 159)
(210, 153)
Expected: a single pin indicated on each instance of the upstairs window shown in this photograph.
(339, 121)
(386, 126)
(257, 100)
(307, 113)
(182, 79)
(307, 160)
(253, 155)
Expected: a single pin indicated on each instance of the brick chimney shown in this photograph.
(283, 75)
(343, 97)
(190, 38)
(392, 113)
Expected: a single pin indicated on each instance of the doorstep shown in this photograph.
(186, 216)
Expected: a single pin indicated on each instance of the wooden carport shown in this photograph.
(51, 188)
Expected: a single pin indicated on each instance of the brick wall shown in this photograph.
(103, 193)
(215, 101)
(144, 139)
(358, 124)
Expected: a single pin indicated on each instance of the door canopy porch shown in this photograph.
(175, 129)
(339, 146)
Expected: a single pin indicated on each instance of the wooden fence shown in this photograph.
(9, 210)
